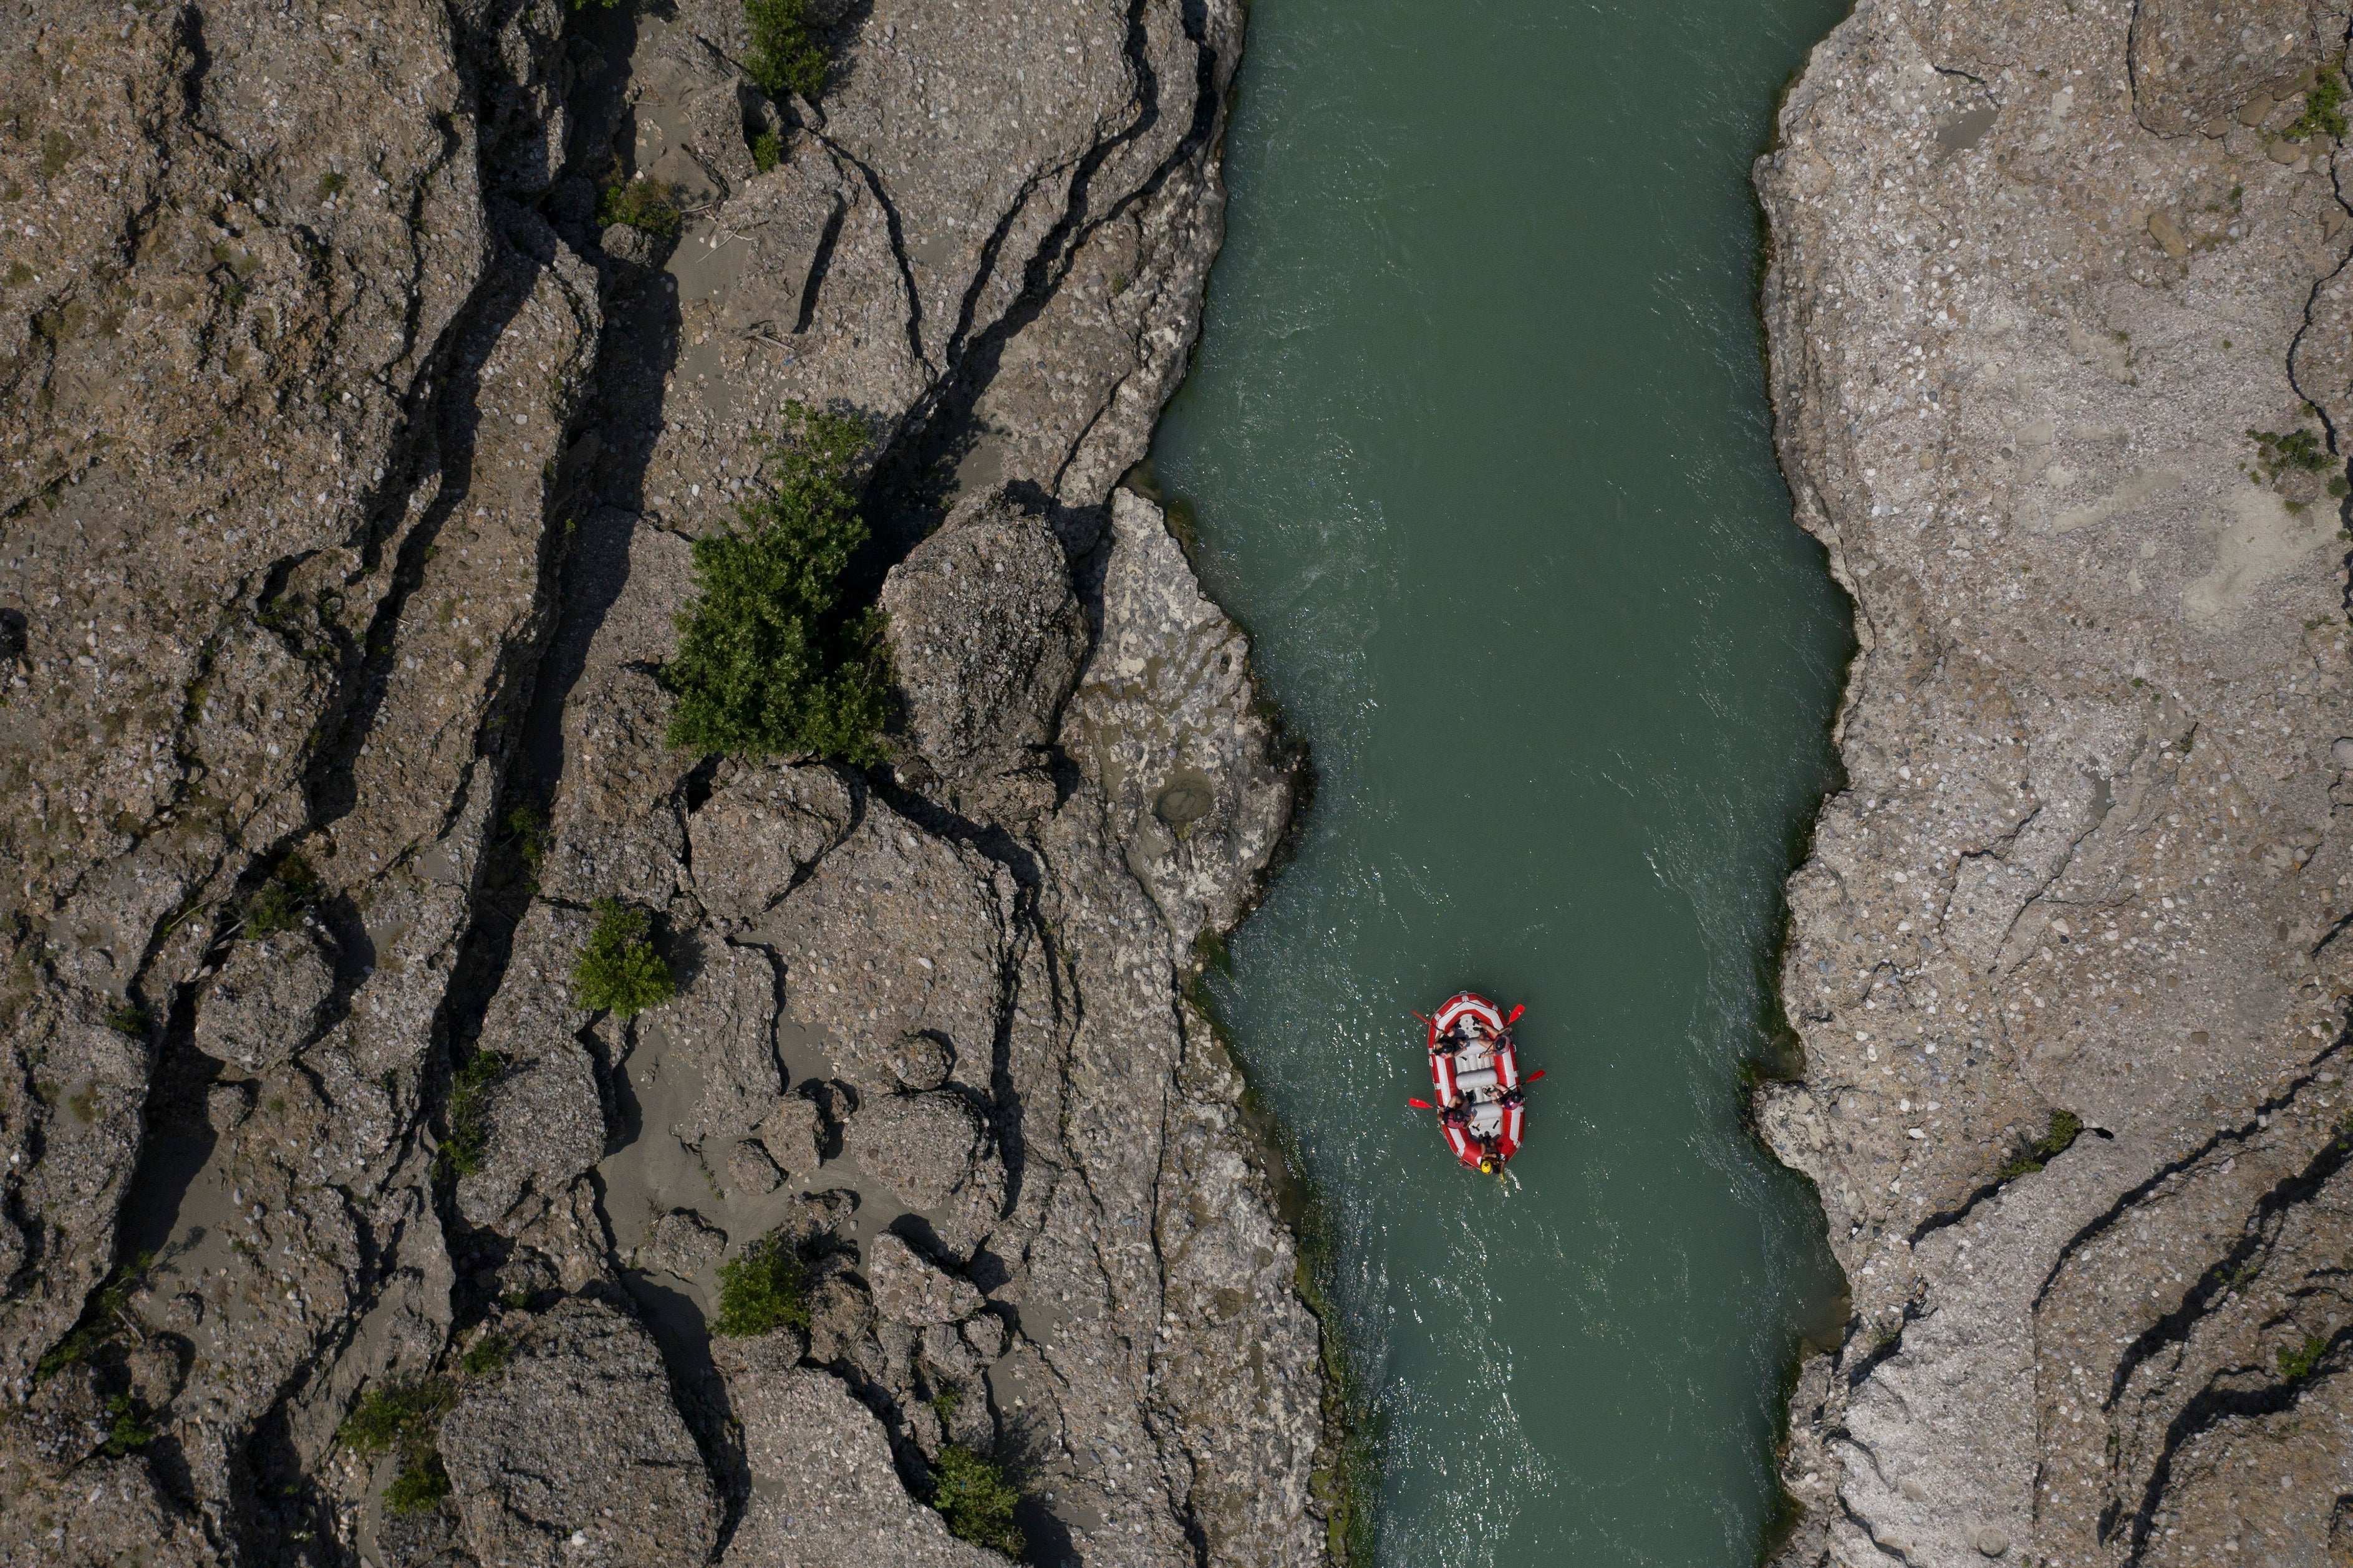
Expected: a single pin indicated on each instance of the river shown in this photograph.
(1477, 446)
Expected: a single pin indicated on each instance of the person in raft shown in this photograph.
(1491, 1159)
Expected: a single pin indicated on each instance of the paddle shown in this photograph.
(1534, 1076)
(1515, 1018)
(1421, 1105)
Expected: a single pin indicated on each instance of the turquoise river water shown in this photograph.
(1477, 446)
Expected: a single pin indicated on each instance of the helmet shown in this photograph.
(1486, 1167)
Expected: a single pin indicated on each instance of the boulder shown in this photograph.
(790, 1134)
(825, 1492)
(910, 1289)
(897, 932)
(751, 1172)
(264, 1006)
(987, 637)
(761, 828)
(931, 1150)
(577, 1453)
(682, 1243)
(543, 1126)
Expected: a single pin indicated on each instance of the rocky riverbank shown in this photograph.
(351, 463)
(2061, 344)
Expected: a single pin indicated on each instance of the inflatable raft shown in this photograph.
(1475, 1070)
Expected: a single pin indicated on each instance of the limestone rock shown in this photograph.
(791, 1134)
(762, 827)
(724, 1025)
(1166, 722)
(579, 1440)
(682, 1243)
(265, 1005)
(2040, 338)
(927, 1148)
(544, 1126)
(909, 1288)
(987, 637)
(751, 1170)
(823, 1490)
(896, 932)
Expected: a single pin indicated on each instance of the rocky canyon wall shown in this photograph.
(2061, 354)
(350, 471)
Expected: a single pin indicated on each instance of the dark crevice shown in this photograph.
(2220, 1278)
(2115, 1211)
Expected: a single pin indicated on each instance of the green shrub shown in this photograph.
(527, 826)
(101, 1319)
(421, 1486)
(128, 1432)
(489, 1354)
(2324, 110)
(975, 1500)
(648, 205)
(278, 904)
(763, 1290)
(405, 1418)
(767, 150)
(461, 1152)
(127, 1019)
(784, 58)
(618, 972)
(2300, 1361)
(2065, 1126)
(769, 660)
(395, 1416)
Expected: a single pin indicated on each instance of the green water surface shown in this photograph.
(1478, 449)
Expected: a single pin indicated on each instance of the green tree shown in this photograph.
(769, 659)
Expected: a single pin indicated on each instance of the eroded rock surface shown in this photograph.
(2058, 327)
(353, 466)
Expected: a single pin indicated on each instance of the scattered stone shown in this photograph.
(761, 828)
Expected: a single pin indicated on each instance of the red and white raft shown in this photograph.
(1475, 1070)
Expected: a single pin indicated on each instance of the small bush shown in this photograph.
(128, 1432)
(2065, 1126)
(618, 972)
(767, 150)
(394, 1415)
(2278, 451)
(648, 204)
(405, 1418)
(461, 1152)
(762, 1290)
(2300, 1361)
(784, 58)
(527, 828)
(487, 1356)
(331, 183)
(769, 660)
(975, 1500)
(421, 1485)
(127, 1019)
(278, 904)
(2324, 110)
(100, 1319)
